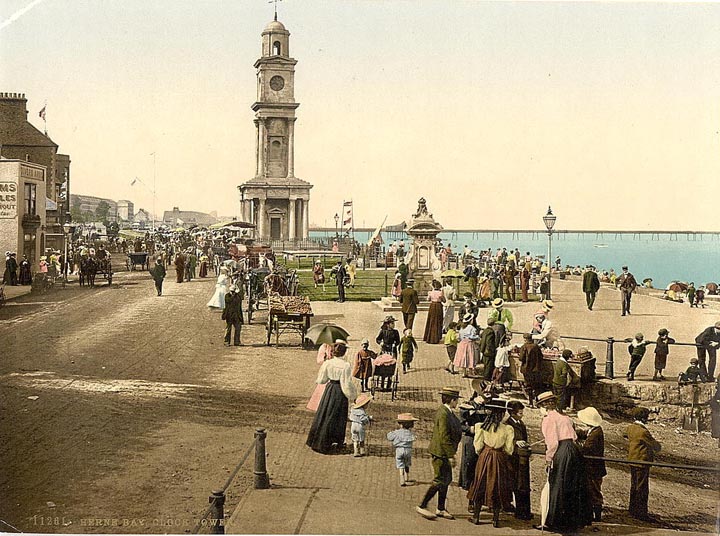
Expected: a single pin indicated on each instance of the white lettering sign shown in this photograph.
(8, 200)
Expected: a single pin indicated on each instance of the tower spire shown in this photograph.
(275, 2)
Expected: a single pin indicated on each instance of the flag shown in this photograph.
(347, 215)
(42, 113)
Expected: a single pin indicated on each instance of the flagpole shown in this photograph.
(45, 117)
(153, 192)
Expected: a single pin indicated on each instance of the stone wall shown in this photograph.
(666, 400)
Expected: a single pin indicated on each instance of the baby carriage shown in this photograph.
(385, 375)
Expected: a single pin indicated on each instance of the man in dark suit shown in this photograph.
(642, 446)
(232, 314)
(591, 284)
(340, 274)
(447, 432)
(488, 347)
(708, 342)
(627, 285)
(409, 300)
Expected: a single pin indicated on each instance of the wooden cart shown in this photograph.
(288, 314)
(583, 365)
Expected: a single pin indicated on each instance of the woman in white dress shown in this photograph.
(221, 288)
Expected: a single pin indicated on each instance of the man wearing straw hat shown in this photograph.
(446, 436)
(501, 315)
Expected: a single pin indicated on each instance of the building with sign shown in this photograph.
(275, 200)
(22, 208)
(19, 139)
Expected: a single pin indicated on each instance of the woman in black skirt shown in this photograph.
(569, 507)
(328, 429)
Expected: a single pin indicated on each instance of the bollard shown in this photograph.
(522, 495)
(217, 512)
(609, 360)
(386, 285)
(262, 481)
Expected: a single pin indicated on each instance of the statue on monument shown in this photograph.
(422, 209)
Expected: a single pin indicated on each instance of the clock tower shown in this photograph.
(275, 200)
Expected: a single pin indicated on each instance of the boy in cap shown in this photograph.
(693, 374)
(359, 419)
(661, 352)
(446, 436)
(158, 273)
(402, 439)
(641, 447)
(636, 349)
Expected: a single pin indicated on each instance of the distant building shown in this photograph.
(125, 210)
(22, 209)
(20, 140)
(87, 206)
(187, 218)
(142, 216)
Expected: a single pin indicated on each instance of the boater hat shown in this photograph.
(468, 317)
(453, 392)
(548, 304)
(362, 400)
(406, 417)
(498, 302)
(590, 416)
(545, 397)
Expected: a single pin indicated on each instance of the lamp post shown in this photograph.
(549, 220)
(66, 230)
(337, 219)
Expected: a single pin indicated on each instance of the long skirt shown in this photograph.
(466, 355)
(660, 361)
(203, 269)
(467, 463)
(434, 324)
(448, 316)
(493, 482)
(569, 506)
(330, 421)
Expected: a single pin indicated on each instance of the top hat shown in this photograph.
(453, 392)
(590, 416)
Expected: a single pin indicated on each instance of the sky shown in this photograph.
(609, 112)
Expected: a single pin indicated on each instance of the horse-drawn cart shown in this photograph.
(288, 314)
(137, 258)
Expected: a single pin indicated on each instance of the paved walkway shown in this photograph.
(340, 494)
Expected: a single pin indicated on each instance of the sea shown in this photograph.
(662, 257)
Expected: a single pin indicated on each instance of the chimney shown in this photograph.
(13, 108)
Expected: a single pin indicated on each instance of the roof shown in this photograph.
(188, 217)
(24, 135)
(275, 26)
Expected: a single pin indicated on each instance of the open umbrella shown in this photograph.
(452, 273)
(326, 333)
(712, 288)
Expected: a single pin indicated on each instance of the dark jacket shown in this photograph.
(561, 370)
(158, 272)
(707, 336)
(530, 358)
(487, 342)
(594, 445)
(446, 435)
(389, 340)
(591, 283)
(233, 307)
(409, 300)
(642, 446)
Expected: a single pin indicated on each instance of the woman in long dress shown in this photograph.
(434, 323)
(25, 272)
(569, 508)
(494, 442)
(330, 423)
(466, 354)
(449, 307)
(221, 288)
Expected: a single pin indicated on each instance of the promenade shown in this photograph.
(319, 494)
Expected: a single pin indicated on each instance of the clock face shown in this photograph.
(277, 83)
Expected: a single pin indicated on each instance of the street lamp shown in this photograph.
(337, 219)
(66, 229)
(549, 220)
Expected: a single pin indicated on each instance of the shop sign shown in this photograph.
(8, 199)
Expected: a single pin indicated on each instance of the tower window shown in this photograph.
(276, 48)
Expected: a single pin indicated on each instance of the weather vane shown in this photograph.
(275, 2)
